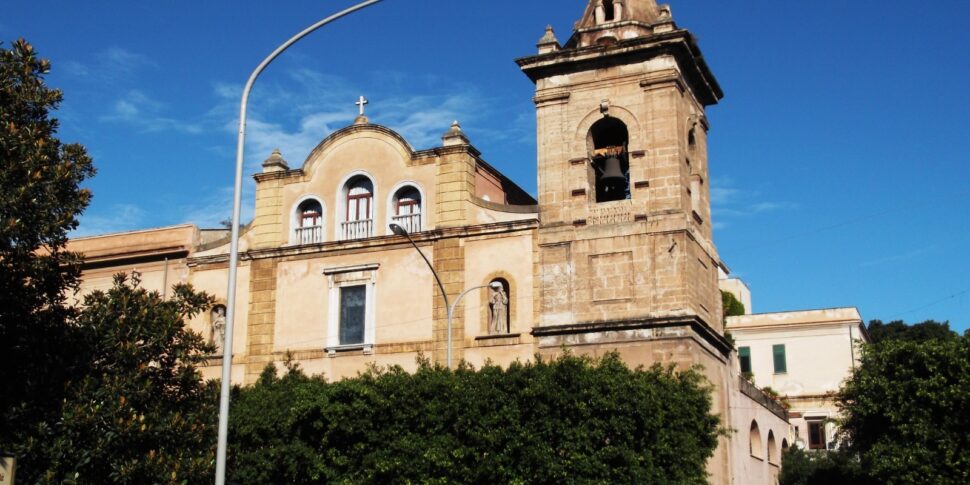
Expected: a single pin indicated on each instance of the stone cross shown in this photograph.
(361, 102)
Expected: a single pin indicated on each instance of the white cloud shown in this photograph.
(135, 108)
(297, 115)
(731, 202)
(113, 65)
(210, 210)
(118, 218)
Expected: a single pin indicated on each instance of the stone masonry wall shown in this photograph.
(262, 317)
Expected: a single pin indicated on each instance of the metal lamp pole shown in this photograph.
(234, 245)
(400, 231)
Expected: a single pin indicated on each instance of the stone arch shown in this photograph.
(772, 448)
(341, 203)
(295, 217)
(626, 116)
(755, 447)
(392, 199)
(513, 307)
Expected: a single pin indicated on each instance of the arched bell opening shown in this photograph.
(607, 142)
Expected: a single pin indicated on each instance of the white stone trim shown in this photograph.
(390, 206)
(341, 204)
(339, 277)
(295, 218)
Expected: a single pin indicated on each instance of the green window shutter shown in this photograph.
(744, 355)
(781, 364)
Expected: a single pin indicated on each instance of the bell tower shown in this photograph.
(625, 244)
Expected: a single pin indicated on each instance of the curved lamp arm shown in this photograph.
(234, 246)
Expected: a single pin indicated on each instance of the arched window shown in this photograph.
(609, 11)
(607, 143)
(406, 207)
(784, 444)
(691, 140)
(754, 441)
(499, 307)
(358, 208)
(309, 222)
(772, 448)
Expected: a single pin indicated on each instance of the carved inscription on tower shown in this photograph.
(611, 214)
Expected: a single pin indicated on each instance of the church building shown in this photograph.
(617, 253)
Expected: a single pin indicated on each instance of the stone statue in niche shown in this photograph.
(499, 305)
(217, 330)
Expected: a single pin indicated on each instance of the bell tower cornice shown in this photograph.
(680, 44)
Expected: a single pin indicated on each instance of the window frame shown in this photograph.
(394, 205)
(296, 218)
(349, 276)
(775, 354)
(342, 207)
(820, 425)
(343, 326)
(744, 354)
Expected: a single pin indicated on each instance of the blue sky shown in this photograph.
(838, 170)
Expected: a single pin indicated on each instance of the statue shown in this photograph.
(217, 331)
(499, 303)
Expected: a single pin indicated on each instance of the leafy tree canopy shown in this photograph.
(799, 467)
(899, 330)
(906, 410)
(569, 420)
(141, 412)
(40, 199)
(732, 306)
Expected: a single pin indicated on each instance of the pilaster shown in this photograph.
(262, 317)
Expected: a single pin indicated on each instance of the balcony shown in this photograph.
(309, 235)
(410, 222)
(357, 229)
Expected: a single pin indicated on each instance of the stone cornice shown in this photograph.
(371, 244)
(697, 324)
(679, 43)
(511, 209)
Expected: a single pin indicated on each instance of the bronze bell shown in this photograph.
(612, 173)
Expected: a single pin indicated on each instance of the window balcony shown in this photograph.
(309, 235)
(357, 229)
(410, 222)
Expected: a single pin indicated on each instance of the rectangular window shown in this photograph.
(781, 364)
(816, 435)
(744, 355)
(353, 301)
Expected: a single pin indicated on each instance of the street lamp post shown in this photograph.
(234, 244)
(400, 231)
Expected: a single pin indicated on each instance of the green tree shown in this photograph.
(827, 467)
(906, 410)
(732, 306)
(569, 420)
(141, 413)
(899, 330)
(40, 199)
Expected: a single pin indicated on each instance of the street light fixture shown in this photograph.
(400, 231)
(234, 244)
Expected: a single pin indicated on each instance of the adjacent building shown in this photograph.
(804, 356)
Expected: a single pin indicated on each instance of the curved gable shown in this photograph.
(358, 136)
